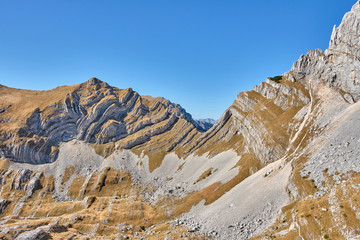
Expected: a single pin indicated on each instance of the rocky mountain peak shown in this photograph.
(93, 112)
(339, 66)
(93, 81)
(356, 6)
(345, 38)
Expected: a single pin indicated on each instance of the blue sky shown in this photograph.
(198, 53)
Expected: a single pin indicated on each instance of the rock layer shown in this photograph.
(92, 112)
(122, 157)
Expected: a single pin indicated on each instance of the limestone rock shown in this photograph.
(112, 153)
(3, 204)
(57, 228)
(36, 234)
(95, 113)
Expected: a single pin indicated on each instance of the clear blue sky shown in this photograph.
(198, 53)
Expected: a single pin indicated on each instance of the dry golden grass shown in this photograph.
(24, 102)
(75, 187)
(313, 215)
(113, 199)
(69, 171)
(235, 143)
(104, 150)
(155, 159)
(4, 164)
(50, 183)
(247, 162)
(204, 175)
(305, 186)
(185, 204)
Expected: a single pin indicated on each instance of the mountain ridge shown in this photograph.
(282, 160)
(91, 94)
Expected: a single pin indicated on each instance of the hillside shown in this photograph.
(34, 123)
(92, 160)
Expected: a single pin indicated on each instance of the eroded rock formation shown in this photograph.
(282, 161)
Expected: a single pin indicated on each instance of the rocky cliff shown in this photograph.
(93, 112)
(282, 161)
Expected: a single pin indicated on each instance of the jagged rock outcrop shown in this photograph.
(97, 113)
(339, 65)
(3, 204)
(256, 121)
(37, 234)
(93, 112)
(282, 161)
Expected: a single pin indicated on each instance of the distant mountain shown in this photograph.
(208, 120)
(205, 123)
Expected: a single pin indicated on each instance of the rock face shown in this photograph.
(344, 52)
(34, 235)
(97, 113)
(282, 161)
(92, 112)
(205, 124)
(339, 66)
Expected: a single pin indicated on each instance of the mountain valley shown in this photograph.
(92, 161)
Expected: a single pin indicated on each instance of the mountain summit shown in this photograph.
(93, 112)
(91, 160)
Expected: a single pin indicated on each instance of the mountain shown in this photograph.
(91, 160)
(208, 120)
(205, 124)
(34, 123)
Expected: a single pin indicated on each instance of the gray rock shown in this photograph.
(3, 204)
(93, 117)
(349, 98)
(34, 184)
(37, 234)
(57, 228)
